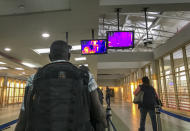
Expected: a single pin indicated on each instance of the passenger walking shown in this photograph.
(57, 99)
(108, 94)
(148, 104)
(101, 95)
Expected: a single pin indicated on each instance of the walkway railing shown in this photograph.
(7, 125)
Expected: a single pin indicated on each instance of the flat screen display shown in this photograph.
(120, 39)
(93, 47)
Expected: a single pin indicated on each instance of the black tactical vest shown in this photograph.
(59, 99)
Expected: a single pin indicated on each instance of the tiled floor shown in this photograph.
(8, 114)
(125, 117)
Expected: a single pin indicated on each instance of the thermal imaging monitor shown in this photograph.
(90, 47)
(120, 39)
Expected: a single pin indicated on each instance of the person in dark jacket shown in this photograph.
(101, 95)
(108, 95)
(148, 104)
(61, 53)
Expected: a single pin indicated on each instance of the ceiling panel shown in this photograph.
(13, 7)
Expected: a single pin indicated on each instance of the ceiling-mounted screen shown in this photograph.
(120, 39)
(89, 47)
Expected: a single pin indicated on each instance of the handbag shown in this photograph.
(138, 99)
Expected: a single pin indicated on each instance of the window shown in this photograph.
(147, 71)
(163, 92)
(188, 54)
(167, 65)
(160, 67)
(170, 91)
(181, 80)
(13, 91)
(169, 82)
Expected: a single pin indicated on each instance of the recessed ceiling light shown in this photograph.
(80, 58)
(45, 35)
(84, 65)
(21, 69)
(7, 49)
(76, 47)
(153, 13)
(151, 17)
(3, 68)
(47, 50)
(2, 63)
(28, 64)
(42, 51)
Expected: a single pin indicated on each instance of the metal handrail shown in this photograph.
(7, 125)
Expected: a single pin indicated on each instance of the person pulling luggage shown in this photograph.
(150, 98)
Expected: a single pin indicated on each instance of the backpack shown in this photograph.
(149, 98)
(58, 100)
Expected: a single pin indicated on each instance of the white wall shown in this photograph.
(104, 82)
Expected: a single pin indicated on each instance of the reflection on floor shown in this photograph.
(129, 115)
(8, 114)
(125, 117)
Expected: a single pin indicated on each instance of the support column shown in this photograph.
(19, 88)
(174, 81)
(186, 71)
(3, 93)
(159, 80)
(8, 95)
(155, 74)
(164, 80)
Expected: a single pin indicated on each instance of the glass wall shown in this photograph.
(188, 56)
(181, 80)
(169, 82)
(173, 75)
(1, 90)
(174, 79)
(11, 91)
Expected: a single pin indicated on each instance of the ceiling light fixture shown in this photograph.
(86, 65)
(7, 49)
(28, 64)
(3, 68)
(151, 17)
(42, 51)
(76, 47)
(2, 63)
(21, 69)
(153, 13)
(45, 35)
(80, 58)
(47, 50)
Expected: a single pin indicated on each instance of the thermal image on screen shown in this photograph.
(120, 39)
(93, 46)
